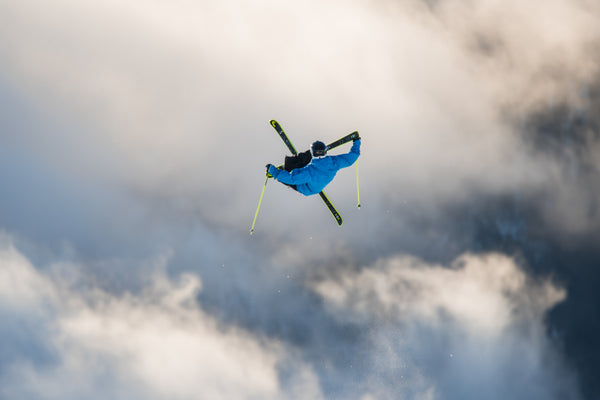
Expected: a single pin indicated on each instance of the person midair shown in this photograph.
(311, 171)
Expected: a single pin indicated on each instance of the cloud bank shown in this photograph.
(133, 139)
(474, 329)
(156, 344)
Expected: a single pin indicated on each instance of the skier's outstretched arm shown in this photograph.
(346, 160)
(296, 177)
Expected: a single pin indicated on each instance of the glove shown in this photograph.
(356, 138)
(272, 170)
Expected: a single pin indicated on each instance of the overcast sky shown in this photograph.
(133, 139)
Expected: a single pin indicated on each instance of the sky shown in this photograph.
(133, 140)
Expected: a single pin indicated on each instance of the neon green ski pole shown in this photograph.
(357, 187)
(258, 208)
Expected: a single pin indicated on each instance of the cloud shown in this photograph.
(527, 62)
(177, 103)
(473, 330)
(156, 344)
(136, 131)
(423, 331)
(21, 286)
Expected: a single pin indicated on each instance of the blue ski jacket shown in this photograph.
(313, 178)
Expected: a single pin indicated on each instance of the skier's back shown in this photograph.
(319, 172)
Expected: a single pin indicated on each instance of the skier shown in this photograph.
(309, 174)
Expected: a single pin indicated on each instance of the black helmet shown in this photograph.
(318, 149)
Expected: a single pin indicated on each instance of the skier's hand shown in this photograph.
(356, 138)
(272, 170)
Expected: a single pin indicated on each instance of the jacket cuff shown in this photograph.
(274, 171)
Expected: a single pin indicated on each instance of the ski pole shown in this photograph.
(258, 208)
(357, 188)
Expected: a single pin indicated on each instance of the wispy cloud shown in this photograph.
(154, 344)
(137, 131)
(472, 330)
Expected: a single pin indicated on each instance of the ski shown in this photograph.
(283, 136)
(334, 212)
(292, 149)
(352, 136)
(332, 145)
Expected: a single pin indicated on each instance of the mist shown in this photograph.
(133, 140)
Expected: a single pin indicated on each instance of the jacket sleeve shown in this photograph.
(296, 177)
(273, 171)
(346, 160)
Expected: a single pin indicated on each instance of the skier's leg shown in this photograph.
(292, 186)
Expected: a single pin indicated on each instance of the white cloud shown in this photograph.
(21, 288)
(175, 349)
(473, 330)
(173, 99)
(157, 344)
